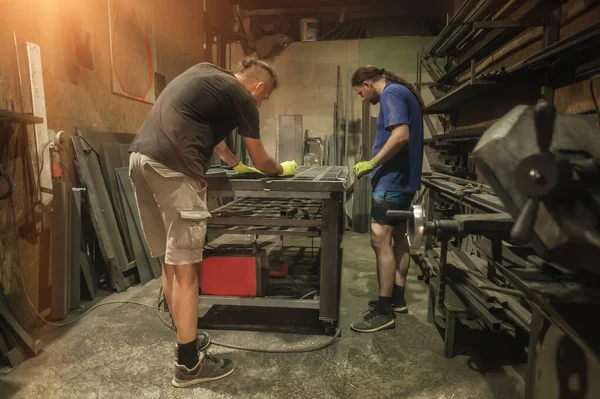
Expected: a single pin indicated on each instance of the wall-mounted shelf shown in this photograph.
(458, 96)
(15, 117)
(492, 41)
(458, 135)
(571, 60)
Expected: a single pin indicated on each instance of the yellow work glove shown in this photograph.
(364, 167)
(289, 168)
(241, 169)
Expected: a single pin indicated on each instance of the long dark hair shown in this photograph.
(372, 72)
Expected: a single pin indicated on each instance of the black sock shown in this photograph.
(187, 354)
(384, 305)
(398, 293)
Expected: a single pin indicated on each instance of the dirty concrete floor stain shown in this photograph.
(124, 351)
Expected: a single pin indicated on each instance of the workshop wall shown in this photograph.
(308, 72)
(74, 96)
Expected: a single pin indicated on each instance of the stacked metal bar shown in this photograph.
(101, 160)
(308, 182)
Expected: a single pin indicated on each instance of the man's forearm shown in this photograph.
(225, 154)
(391, 148)
(270, 167)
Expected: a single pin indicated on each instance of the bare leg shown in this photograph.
(167, 285)
(381, 241)
(401, 254)
(185, 301)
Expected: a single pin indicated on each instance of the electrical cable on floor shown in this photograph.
(330, 342)
(309, 294)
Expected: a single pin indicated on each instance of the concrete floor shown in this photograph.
(124, 351)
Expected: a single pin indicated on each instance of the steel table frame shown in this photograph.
(324, 183)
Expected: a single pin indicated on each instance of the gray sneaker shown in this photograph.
(398, 307)
(373, 321)
(203, 343)
(209, 368)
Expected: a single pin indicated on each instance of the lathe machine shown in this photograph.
(530, 262)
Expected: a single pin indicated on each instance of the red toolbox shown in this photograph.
(235, 274)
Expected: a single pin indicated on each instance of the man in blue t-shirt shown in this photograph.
(395, 169)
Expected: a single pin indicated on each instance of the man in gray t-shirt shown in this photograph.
(169, 158)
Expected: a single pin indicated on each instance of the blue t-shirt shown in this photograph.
(398, 106)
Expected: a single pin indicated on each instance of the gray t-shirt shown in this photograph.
(193, 114)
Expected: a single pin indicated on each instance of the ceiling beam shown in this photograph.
(364, 11)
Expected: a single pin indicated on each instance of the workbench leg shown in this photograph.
(449, 334)
(330, 274)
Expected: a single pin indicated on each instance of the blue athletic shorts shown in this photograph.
(382, 201)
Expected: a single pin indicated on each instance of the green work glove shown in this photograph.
(241, 169)
(364, 167)
(289, 168)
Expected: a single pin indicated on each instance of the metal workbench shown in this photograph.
(308, 204)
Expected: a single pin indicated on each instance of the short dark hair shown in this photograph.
(248, 64)
(372, 72)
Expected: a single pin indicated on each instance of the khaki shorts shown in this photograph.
(172, 208)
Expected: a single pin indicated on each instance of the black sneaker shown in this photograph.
(373, 321)
(203, 343)
(398, 307)
(209, 368)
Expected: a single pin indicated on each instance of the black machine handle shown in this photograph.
(544, 117)
(400, 215)
(522, 230)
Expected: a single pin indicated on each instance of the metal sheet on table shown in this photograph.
(306, 179)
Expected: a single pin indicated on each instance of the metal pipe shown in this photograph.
(19, 72)
(419, 73)
(60, 249)
(74, 286)
(348, 101)
(502, 289)
(338, 98)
